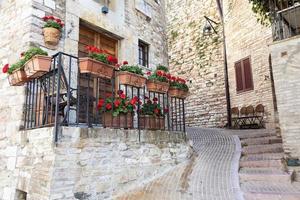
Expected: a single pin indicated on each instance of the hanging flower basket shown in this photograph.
(18, 77)
(174, 92)
(152, 122)
(157, 86)
(97, 68)
(37, 66)
(120, 121)
(51, 36)
(132, 79)
(52, 30)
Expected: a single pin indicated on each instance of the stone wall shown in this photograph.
(197, 58)
(14, 38)
(92, 163)
(286, 70)
(246, 37)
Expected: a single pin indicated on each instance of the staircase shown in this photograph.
(263, 173)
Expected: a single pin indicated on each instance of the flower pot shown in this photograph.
(128, 78)
(37, 66)
(120, 121)
(174, 92)
(88, 65)
(51, 35)
(18, 78)
(152, 122)
(157, 86)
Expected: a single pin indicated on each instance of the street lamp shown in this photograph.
(207, 30)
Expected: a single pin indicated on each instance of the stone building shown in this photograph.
(199, 58)
(32, 166)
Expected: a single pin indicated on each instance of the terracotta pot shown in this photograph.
(88, 65)
(173, 92)
(120, 121)
(51, 35)
(152, 122)
(37, 66)
(128, 78)
(157, 86)
(18, 78)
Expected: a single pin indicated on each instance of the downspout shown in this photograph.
(227, 92)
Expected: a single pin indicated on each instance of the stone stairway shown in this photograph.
(263, 172)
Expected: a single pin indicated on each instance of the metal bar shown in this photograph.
(183, 107)
(168, 114)
(57, 98)
(69, 91)
(36, 102)
(32, 104)
(40, 101)
(26, 106)
(138, 114)
(88, 101)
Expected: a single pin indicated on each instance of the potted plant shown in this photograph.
(16, 73)
(158, 81)
(152, 116)
(32, 64)
(178, 88)
(52, 29)
(37, 62)
(118, 112)
(98, 63)
(131, 75)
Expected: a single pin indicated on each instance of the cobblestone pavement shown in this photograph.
(212, 173)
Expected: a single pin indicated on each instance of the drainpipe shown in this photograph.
(227, 93)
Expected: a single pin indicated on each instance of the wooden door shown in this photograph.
(89, 86)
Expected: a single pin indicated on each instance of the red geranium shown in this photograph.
(112, 60)
(120, 92)
(5, 68)
(166, 110)
(117, 103)
(122, 96)
(108, 106)
(125, 63)
(100, 103)
(155, 99)
(156, 111)
(148, 73)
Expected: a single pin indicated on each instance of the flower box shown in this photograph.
(174, 92)
(120, 121)
(157, 86)
(88, 65)
(18, 78)
(128, 78)
(152, 122)
(37, 66)
(51, 35)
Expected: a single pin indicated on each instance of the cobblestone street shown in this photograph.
(212, 173)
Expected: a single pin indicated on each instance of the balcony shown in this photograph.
(66, 97)
(286, 22)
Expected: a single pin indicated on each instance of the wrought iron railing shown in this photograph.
(65, 97)
(286, 18)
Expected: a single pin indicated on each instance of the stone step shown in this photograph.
(262, 140)
(258, 149)
(257, 134)
(271, 196)
(263, 156)
(262, 164)
(270, 191)
(265, 174)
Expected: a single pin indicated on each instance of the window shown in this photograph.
(143, 54)
(243, 75)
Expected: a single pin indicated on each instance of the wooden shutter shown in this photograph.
(248, 81)
(88, 36)
(239, 76)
